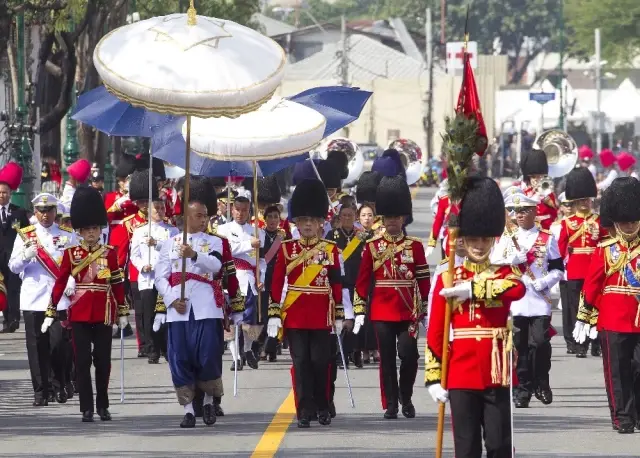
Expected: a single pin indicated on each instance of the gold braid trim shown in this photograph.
(274, 311)
(160, 305)
(491, 289)
(238, 303)
(339, 312)
(432, 367)
(585, 311)
(117, 276)
(51, 310)
(432, 243)
(359, 304)
(594, 317)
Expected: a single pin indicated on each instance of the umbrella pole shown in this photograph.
(185, 205)
(257, 235)
(318, 175)
(229, 199)
(150, 200)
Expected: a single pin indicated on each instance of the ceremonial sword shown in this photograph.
(121, 365)
(235, 363)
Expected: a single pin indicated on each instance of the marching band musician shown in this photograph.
(608, 161)
(195, 322)
(397, 266)
(312, 306)
(97, 304)
(479, 377)
(117, 203)
(36, 257)
(535, 170)
(536, 251)
(579, 236)
(146, 243)
(611, 287)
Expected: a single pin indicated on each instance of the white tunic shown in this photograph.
(533, 303)
(239, 237)
(604, 184)
(142, 255)
(199, 294)
(37, 282)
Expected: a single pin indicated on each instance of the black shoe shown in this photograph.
(251, 359)
(616, 427)
(544, 395)
(233, 365)
(128, 331)
(626, 429)
(391, 413)
(303, 422)
(571, 350)
(596, 350)
(87, 417)
(324, 418)
(189, 421)
(142, 354)
(217, 407)
(313, 416)
(40, 402)
(154, 358)
(408, 410)
(521, 403)
(272, 357)
(332, 409)
(208, 414)
(12, 327)
(61, 397)
(51, 397)
(69, 389)
(279, 350)
(104, 414)
(581, 354)
(357, 359)
(75, 387)
(255, 348)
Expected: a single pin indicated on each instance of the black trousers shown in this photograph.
(270, 344)
(570, 295)
(92, 343)
(47, 354)
(138, 307)
(388, 332)
(533, 343)
(621, 361)
(12, 283)
(477, 414)
(153, 342)
(310, 352)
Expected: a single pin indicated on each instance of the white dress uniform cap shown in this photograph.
(514, 197)
(45, 200)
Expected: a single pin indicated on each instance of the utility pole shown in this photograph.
(344, 60)
(428, 32)
(561, 120)
(443, 16)
(20, 141)
(372, 114)
(598, 93)
(70, 151)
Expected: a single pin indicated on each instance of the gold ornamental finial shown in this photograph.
(191, 14)
(466, 41)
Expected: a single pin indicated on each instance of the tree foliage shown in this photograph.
(619, 23)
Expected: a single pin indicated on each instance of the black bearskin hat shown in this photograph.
(393, 197)
(125, 167)
(218, 182)
(87, 208)
(142, 163)
(482, 212)
(389, 164)
(367, 186)
(309, 199)
(269, 190)
(139, 186)
(341, 160)
(304, 171)
(534, 163)
(622, 205)
(605, 205)
(329, 174)
(580, 184)
(201, 190)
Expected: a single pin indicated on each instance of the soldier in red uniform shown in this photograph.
(312, 305)
(612, 286)
(98, 302)
(579, 237)
(397, 266)
(440, 222)
(117, 203)
(479, 377)
(534, 171)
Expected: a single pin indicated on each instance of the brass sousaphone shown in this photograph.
(561, 151)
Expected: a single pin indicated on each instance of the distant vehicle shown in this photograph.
(370, 151)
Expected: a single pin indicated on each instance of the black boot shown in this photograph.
(87, 417)
(233, 365)
(252, 361)
(544, 395)
(69, 390)
(303, 420)
(357, 359)
(408, 410)
(626, 429)
(154, 358)
(208, 414)
(40, 402)
(189, 421)
(217, 407)
(61, 397)
(324, 418)
(104, 414)
(392, 412)
(521, 403)
(595, 348)
(332, 409)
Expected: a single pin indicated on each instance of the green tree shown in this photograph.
(619, 23)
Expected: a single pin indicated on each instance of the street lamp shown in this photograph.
(561, 120)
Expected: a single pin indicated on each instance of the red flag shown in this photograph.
(469, 103)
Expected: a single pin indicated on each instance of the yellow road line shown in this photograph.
(273, 435)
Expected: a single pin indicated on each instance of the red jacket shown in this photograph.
(440, 220)
(99, 296)
(473, 363)
(398, 268)
(117, 213)
(547, 208)
(607, 287)
(314, 290)
(120, 238)
(579, 237)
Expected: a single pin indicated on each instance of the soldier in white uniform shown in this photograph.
(146, 243)
(195, 323)
(36, 257)
(243, 249)
(536, 251)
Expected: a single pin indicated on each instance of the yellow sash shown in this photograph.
(350, 248)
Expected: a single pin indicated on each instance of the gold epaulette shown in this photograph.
(331, 242)
(516, 270)
(374, 238)
(65, 228)
(444, 261)
(607, 242)
(26, 230)
(545, 231)
(413, 239)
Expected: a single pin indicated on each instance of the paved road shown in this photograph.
(575, 425)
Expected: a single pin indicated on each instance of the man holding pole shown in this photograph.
(478, 380)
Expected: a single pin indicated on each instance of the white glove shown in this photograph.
(237, 318)
(520, 257)
(45, 324)
(358, 323)
(70, 290)
(30, 252)
(438, 394)
(122, 200)
(158, 321)
(593, 333)
(425, 322)
(338, 325)
(580, 332)
(123, 321)
(526, 279)
(539, 284)
(272, 327)
(429, 251)
(462, 291)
